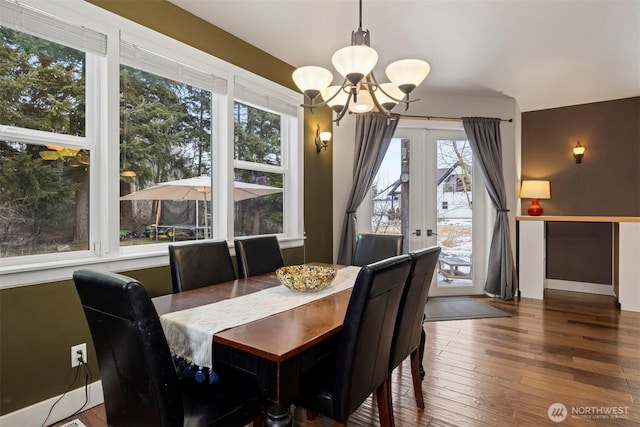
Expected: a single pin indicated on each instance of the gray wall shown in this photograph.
(607, 182)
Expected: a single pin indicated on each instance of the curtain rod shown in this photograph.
(444, 119)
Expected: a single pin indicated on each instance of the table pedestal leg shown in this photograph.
(278, 416)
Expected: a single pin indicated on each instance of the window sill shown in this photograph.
(52, 271)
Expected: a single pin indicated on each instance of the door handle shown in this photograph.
(418, 232)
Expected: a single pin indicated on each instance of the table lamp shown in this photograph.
(535, 190)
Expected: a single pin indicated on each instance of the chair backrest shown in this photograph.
(362, 355)
(200, 263)
(375, 247)
(139, 380)
(410, 314)
(258, 255)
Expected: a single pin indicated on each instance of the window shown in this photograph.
(457, 183)
(387, 191)
(43, 84)
(263, 126)
(165, 136)
(44, 204)
(256, 145)
(73, 167)
(183, 114)
(45, 148)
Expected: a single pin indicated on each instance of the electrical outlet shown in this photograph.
(77, 351)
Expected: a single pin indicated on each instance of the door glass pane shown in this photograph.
(454, 201)
(386, 192)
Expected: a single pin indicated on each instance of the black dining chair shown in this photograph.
(372, 247)
(339, 384)
(200, 263)
(139, 379)
(408, 337)
(257, 255)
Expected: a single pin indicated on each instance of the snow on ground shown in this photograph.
(454, 237)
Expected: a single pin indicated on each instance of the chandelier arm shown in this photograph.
(371, 87)
(326, 102)
(313, 106)
(378, 87)
(344, 109)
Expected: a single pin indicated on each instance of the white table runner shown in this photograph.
(190, 332)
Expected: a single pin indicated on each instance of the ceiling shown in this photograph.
(543, 53)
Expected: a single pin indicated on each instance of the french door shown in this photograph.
(445, 206)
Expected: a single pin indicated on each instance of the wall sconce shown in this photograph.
(578, 152)
(322, 139)
(535, 190)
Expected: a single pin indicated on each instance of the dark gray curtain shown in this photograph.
(484, 136)
(373, 135)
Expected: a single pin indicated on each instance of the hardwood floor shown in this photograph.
(572, 348)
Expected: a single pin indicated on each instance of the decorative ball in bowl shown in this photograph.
(306, 278)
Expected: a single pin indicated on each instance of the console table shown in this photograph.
(626, 256)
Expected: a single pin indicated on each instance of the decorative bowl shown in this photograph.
(306, 278)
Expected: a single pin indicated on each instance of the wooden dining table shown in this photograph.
(276, 350)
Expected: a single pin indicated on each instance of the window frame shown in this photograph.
(102, 139)
(288, 125)
(94, 72)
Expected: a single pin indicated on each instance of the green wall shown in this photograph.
(40, 323)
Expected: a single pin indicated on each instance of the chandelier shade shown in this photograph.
(388, 94)
(354, 62)
(406, 74)
(360, 92)
(312, 80)
(363, 104)
(335, 97)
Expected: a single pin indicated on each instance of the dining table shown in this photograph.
(276, 349)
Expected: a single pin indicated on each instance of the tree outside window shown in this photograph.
(44, 184)
(258, 149)
(165, 135)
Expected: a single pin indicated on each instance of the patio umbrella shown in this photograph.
(198, 189)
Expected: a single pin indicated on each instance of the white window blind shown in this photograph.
(145, 60)
(40, 24)
(251, 93)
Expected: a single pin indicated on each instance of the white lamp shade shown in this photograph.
(341, 98)
(364, 104)
(355, 62)
(325, 136)
(385, 100)
(407, 73)
(312, 80)
(535, 190)
(579, 150)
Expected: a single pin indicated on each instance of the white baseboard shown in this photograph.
(589, 288)
(35, 414)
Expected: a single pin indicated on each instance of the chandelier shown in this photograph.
(360, 92)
